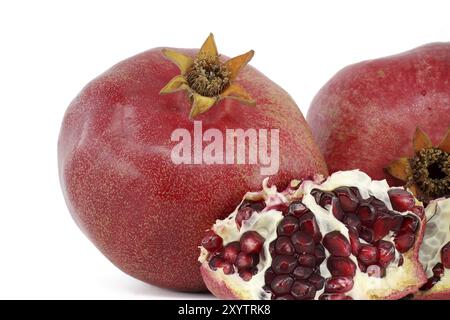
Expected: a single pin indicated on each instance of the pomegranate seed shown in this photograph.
(306, 260)
(308, 224)
(338, 284)
(438, 270)
(302, 272)
(404, 241)
(246, 275)
(396, 221)
(337, 244)
(211, 241)
(430, 283)
(281, 284)
(297, 209)
(284, 264)
(242, 215)
(352, 221)
(302, 290)
(381, 227)
(326, 199)
(386, 253)
(341, 266)
(356, 192)
(244, 261)
(230, 251)
(317, 281)
(272, 248)
(419, 211)
(319, 252)
(366, 234)
(317, 194)
(377, 203)
(366, 214)
(303, 242)
(269, 276)
(251, 242)
(354, 241)
(282, 207)
(216, 262)
(410, 224)
(445, 255)
(376, 271)
(284, 246)
(336, 209)
(288, 226)
(334, 296)
(368, 254)
(285, 297)
(227, 267)
(347, 199)
(401, 200)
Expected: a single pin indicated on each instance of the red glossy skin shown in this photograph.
(366, 115)
(144, 213)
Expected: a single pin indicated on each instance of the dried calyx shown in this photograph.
(427, 173)
(345, 238)
(206, 78)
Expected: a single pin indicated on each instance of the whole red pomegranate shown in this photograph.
(367, 115)
(146, 212)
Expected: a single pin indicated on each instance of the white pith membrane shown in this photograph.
(437, 235)
(265, 223)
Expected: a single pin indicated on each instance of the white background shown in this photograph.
(50, 49)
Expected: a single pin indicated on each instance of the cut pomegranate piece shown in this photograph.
(304, 265)
(337, 244)
(401, 200)
(251, 242)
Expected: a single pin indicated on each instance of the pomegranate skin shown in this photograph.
(144, 213)
(366, 115)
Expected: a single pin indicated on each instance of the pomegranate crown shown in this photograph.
(206, 79)
(427, 172)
